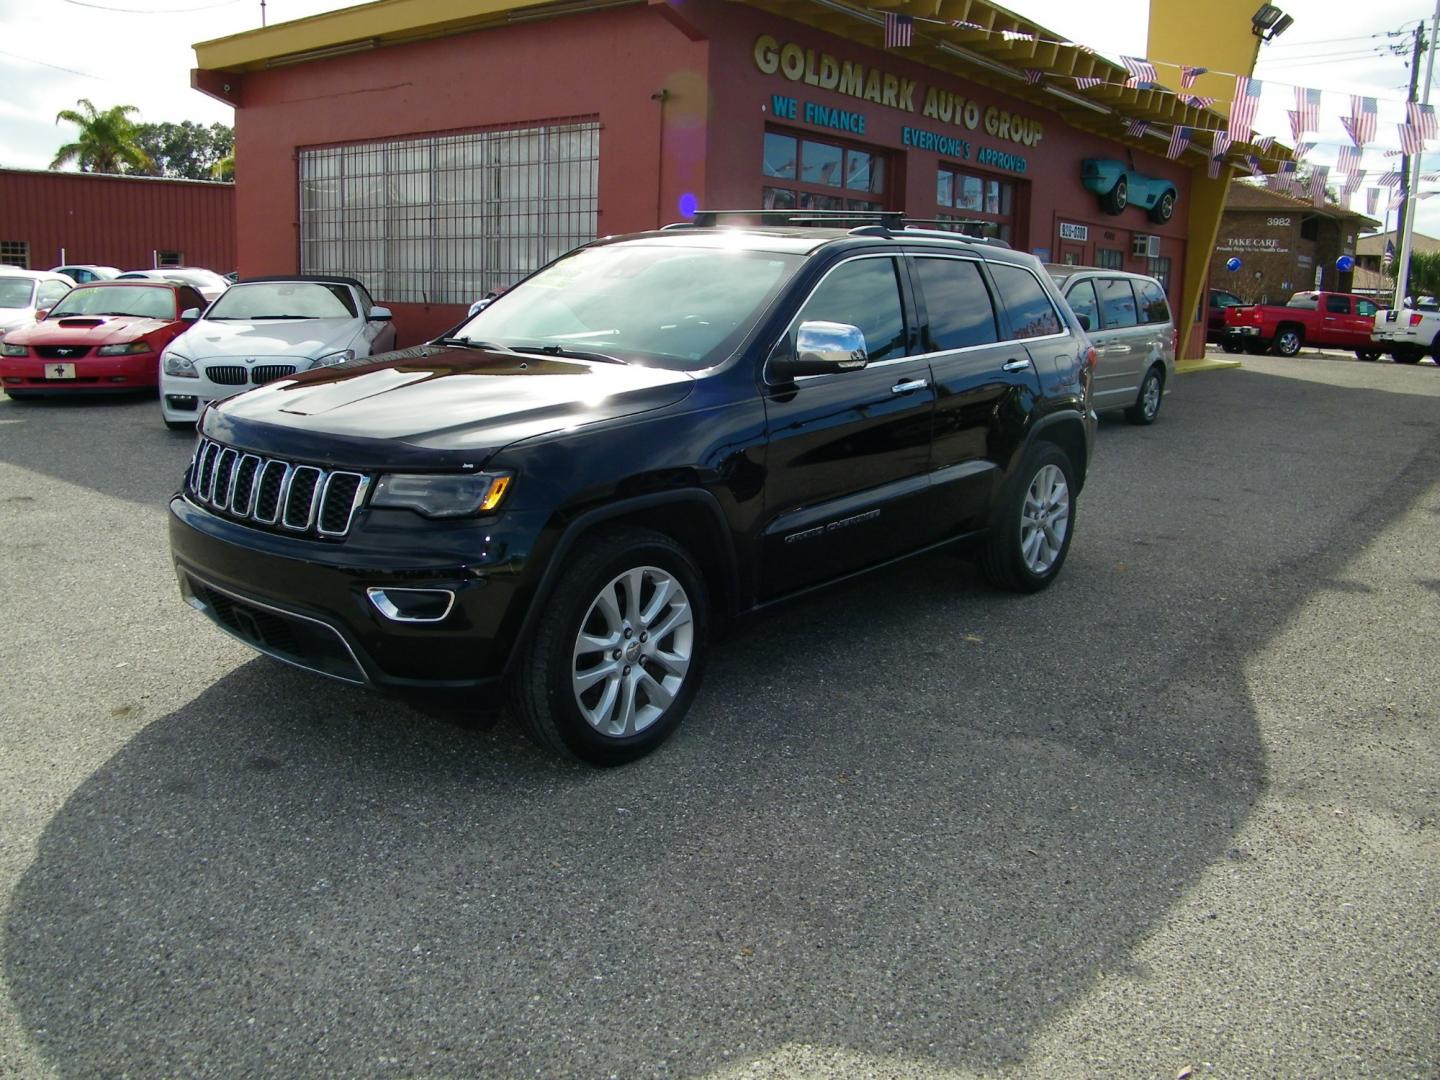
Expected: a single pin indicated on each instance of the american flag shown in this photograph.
(1136, 129)
(1360, 124)
(1034, 76)
(1351, 186)
(1349, 160)
(1411, 141)
(1390, 179)
(1179, 140)
(965, 24)
(1264, 143)
(1317, 184)
(899, 29)
(1196, 101)
(1189, 74)
(1214, 168)
(1396, 201)
(1085, 82)
(1141, 71)
(1222, 143)
(1430, 177)
(1306, 116)
(1422, 117)
(1372, 200)
(1302, 150)
(1017, 35)
(1388, 259)
(1242, 109)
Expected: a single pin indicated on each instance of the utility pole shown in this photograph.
(1410, 169)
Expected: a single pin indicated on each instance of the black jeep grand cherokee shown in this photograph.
(650, 435)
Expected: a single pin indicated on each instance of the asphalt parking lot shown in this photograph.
(1179, 812)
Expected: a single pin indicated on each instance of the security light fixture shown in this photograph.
(1269, 22)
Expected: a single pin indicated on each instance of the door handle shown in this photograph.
(909, 385)
(1015, 365)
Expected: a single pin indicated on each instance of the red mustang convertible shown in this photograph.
(105, 337)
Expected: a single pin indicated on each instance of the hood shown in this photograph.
(87, 330)
(435, 406)
(302, 338)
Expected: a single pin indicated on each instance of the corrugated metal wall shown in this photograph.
(117, 220)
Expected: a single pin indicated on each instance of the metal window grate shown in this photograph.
(15, 253)
(447, 218)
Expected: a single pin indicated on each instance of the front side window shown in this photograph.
(657, 304)
(1082, 301)
(49, 292)
(145, 301)
(863, 293)
(1117, 303)
(1337, 305)
(1031, 312)
(959, 311)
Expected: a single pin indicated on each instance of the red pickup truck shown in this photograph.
(1323, 320)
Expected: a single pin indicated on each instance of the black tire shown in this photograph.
(1288, 341)
(544, 694)
(1002, 559)
(1148, 400)
(1163, 210)
(1255, 348)
(20, 395)
(1408, 354)
(1368, 355)
(1230, 345)
(1117, 198)
(181, 425)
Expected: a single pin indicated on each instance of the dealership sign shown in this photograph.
(1074, 232)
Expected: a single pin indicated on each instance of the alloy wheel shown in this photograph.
(1044, 519)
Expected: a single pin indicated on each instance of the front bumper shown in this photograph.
(91, 374)
(309, 602)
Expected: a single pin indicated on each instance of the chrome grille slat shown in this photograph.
(273, 493)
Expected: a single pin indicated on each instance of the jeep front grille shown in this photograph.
(274, 494)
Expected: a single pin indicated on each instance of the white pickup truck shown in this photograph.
(1408, 334)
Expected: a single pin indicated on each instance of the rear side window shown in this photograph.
(1339, 305)
(1117, 303)
(1365, 307)
(1032, 313)
(1153, 306)
(957, 303)
(1082, 301)
(863, 293)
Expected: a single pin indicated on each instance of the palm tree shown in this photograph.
(224, 169)
(106, 143)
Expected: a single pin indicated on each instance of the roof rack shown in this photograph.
(861, 222)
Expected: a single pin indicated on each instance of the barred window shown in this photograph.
(444, 219)
(15, 253)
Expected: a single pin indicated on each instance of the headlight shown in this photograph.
(180, 366)
(441, 495)
(335, 358)
(130, 348)
(7, 349)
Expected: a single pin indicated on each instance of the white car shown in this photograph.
(206, 282)
(265, 329)
(26, 293)
(85, 273)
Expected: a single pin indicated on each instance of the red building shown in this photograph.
(439, 150)
(131, 222)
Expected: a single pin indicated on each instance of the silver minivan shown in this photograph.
(1128, 320)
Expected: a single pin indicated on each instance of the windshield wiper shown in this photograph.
(575, 354)
(269, 316)
(471, 343)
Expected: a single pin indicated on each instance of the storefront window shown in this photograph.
(981, 205)
(837, 176)
(1160, 270)
(1110, 258)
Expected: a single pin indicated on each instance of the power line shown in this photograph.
(57, 67)
(151, 11)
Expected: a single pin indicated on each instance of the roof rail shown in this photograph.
(865, 223)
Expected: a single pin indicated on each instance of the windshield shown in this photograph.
(16, 292)
(143, 300)
(284, 300)
(659, 305)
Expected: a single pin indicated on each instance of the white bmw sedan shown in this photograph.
(265, 329)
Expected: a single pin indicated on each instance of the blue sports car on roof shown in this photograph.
(1119, 186)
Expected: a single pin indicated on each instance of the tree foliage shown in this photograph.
(106, 141)
(186, 150)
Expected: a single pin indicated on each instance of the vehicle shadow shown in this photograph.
(907, 818)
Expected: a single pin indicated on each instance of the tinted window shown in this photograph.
(1153, 307)
(1223, 299)
(1082, 302)
(1117, 302)
(1365, 307)
(958, 305)
(1338, 304)
(1032, 314)
(863, 293)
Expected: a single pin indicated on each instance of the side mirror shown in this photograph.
(480, 305)
(822, 348)
(41, 313)
(190, 314)
(1084, 321)
(380, 314)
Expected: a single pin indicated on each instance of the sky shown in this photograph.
(139, 52)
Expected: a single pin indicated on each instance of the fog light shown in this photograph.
(181, 402)
(412, 605)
